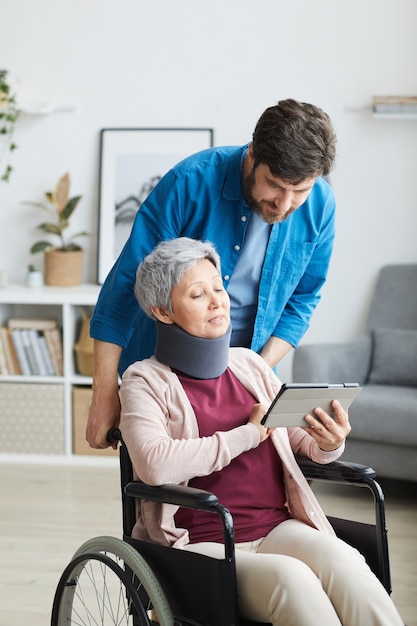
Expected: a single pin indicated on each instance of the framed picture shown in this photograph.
(132, 161)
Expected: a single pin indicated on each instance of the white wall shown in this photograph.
(220, 64)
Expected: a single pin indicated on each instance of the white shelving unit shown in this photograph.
(63, 304)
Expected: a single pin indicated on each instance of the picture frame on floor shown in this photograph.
(132, 161)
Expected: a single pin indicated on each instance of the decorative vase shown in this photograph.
(63, 268)
(34, 278)
(84, 355)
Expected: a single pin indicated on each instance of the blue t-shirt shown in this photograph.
(202, 197)
(244, 284)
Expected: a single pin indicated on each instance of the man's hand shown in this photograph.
(104, 414)
(104, 411)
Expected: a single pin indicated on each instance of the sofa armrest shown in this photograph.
(333, 362)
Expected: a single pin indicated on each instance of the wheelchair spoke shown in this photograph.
(108, 583)
(111, 600)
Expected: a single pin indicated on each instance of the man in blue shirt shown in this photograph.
(271, 218)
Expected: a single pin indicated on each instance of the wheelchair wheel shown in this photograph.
(108, 583)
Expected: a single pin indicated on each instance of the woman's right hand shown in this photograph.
(257, 413)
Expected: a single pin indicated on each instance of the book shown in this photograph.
(41, 357)
(394, 104)
(47, 359)
(28, 323)
(28, 348)
(22, 358)
(9, 350)
(4, 368)
(35, 345)
(54, 341)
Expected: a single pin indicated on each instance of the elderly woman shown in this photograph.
(192, 414)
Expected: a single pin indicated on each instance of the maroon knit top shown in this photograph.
(252, 485)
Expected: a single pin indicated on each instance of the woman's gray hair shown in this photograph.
(165, 266)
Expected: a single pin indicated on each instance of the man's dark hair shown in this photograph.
(296, 140)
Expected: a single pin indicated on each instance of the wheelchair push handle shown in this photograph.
(114, 435)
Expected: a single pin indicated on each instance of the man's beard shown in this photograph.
(268, 216)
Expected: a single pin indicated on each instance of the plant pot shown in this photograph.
(63, 268)
(34, 278)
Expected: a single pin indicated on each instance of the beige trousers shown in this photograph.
(299, 576)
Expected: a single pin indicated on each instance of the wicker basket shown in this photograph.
(63, 269)
(83, 349)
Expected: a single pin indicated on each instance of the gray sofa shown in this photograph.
(384, 361)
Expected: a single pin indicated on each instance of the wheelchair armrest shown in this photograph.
(191, 498)
(337, 471)
(174, 494)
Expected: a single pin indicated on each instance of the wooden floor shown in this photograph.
(48, 511)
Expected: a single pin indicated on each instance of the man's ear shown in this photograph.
(249, 161)
(162, 314)
(250, 150)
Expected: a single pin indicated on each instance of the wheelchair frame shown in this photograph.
(181, 587)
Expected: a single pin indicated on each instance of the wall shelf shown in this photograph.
(394, 116)
(380, 116)
(45, 108)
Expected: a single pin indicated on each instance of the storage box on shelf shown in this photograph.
(32, 418)
(80, 403)
(41, 414)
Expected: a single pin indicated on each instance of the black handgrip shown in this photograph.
(114, 435)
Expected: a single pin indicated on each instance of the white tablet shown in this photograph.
(295, 400)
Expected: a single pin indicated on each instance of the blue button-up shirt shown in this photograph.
(202, 197)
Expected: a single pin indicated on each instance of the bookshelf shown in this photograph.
(37, 415)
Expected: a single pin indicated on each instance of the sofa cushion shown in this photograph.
(394, 359)
(385, 413)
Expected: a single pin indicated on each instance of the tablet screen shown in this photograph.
(295, 400)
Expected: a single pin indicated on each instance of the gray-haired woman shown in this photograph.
(191, 414)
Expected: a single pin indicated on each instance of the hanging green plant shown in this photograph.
(9, 113)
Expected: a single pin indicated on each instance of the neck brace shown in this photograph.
(193, 356)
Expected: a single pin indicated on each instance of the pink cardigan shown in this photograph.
(160, 430)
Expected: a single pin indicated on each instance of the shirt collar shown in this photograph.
(233, 185)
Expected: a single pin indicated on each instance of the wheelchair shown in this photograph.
(111, 581)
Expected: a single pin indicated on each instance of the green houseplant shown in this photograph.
(63, 262)
(9, 113)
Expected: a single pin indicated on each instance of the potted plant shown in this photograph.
(34, 277)
(63, 262)
(8, 117)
